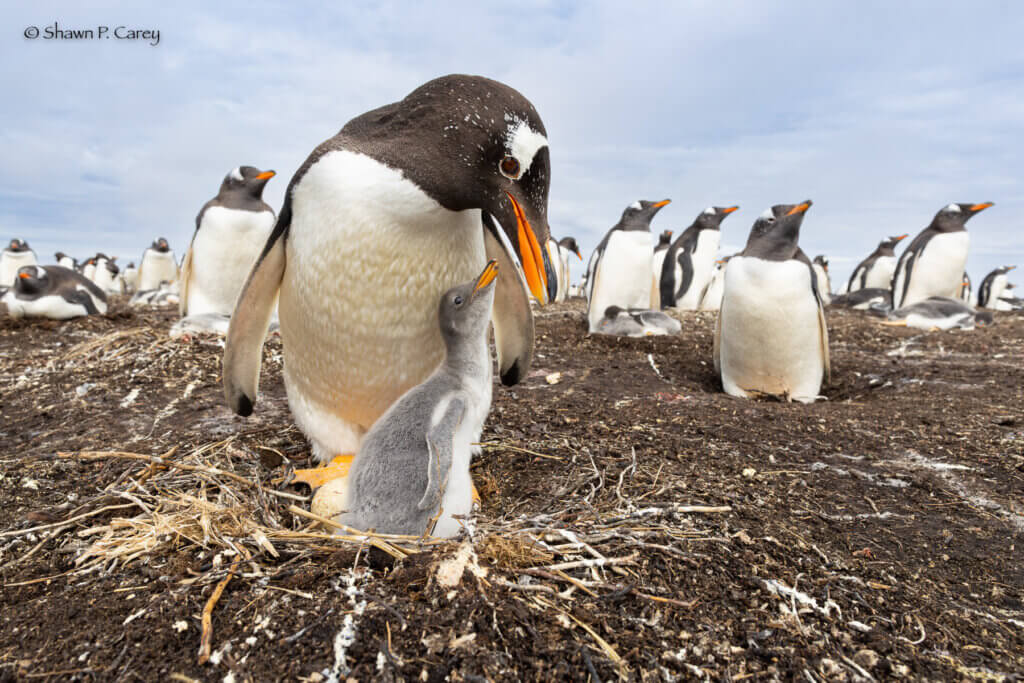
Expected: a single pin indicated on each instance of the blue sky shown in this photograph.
(880, 112)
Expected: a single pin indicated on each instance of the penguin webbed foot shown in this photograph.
(315, 477)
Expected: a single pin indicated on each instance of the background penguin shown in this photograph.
(637, 323)
(107, 275)
(711, 297)
(660, 251)
(619, 272)
(231, 230)
(868, 298)
(1008, 301)
(89, 268)
(16, 255)
(567, 246)
(939, 313)
(820, 265)
(131, 278)
(992, 288)
(403, 203)
(877, 269)
(771, 336)
(414, 461)
(65, 261)
(157, 265)
(933, 264)
(53, 292)
(966, 292)
(691, 259)
(552, 269)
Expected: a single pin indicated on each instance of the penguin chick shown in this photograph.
(411, 473)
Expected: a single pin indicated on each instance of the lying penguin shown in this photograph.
(53, 292)
(939, 313)
(411, 473)
(636, 323)
(866, 299)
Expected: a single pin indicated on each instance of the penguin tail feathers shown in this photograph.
(243, 349)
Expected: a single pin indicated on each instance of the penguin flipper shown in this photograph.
(826, 363)
(249, 322)
(440, 445)
(511, 316)
(716, 349)
(184, 275)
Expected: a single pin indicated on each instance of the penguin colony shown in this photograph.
(371, 272)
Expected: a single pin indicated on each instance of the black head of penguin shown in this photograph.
(888, 247)
(954, 217)
(59, 255)
(112, 267)
(160, 244)
(711, 218)
(775, 233)
(664, 240)
(247, 181)
(469, 142)
(822, 261)
(31, 280)
(570, 244)
(17, 245)
(639, 214)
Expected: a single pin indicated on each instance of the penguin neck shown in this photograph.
(467, 357)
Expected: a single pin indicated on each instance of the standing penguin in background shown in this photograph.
(619, 272)
(876, 270)
(992, 287)
(933, 264)
(65, 261)
(820, 265)
(660, 251)
(107, 275)
(771, 336)
(711, 297)
(691, 260)
(403, 203)
(53, 292)
(157, 265)
(16, 255)
(131, 278)
(231, 230)
(411, 474)
(566, 246)
(552, 268)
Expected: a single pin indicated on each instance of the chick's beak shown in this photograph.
(486, 277)
(530, 253)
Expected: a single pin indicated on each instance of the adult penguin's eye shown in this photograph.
(509, 167)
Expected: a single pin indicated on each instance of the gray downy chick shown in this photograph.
(412, 469)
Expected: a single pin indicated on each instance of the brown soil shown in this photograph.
(871, 534)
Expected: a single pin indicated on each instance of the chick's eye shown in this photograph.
(510, 166)
(457, 300)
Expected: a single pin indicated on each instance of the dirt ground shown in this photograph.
(636, 522)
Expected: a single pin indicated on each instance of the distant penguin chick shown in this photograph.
(53, 292)
(939, 313)
(637, 323)
(411, 473)
(771, 336)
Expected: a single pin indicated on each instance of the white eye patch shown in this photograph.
(710, 211)
(635, 205)
(953, 207)
(237, 174)
(523, 143)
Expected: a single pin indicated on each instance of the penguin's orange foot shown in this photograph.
(476, 495)
(316, 477)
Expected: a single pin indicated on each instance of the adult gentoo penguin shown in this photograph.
(552, 269)
(876, 270)
(619, 272)
(966, 295)
(771, 336)
(820, 266)
(403, 203)
(65, 261)
(131, 278)
(933, 264)
(691, 260)
(53, 292)
(411, 474)
(711, 297)
(231, 230)
(567, 247)
(106, 276)
(16, 255)
(992, 287)
(660, 251)
(157, 265)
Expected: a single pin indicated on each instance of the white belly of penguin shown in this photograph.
(770, 338)
(563, 278)
(10, 262)
(457, 500)
(51, 306)
(368, 257)
(157, 267)
(703, 262)
(223, 252)
(623, 274)
(824, 287)
(939, 268)
(712, 298)
(659, 261)
(880, 275)
(995, 290)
